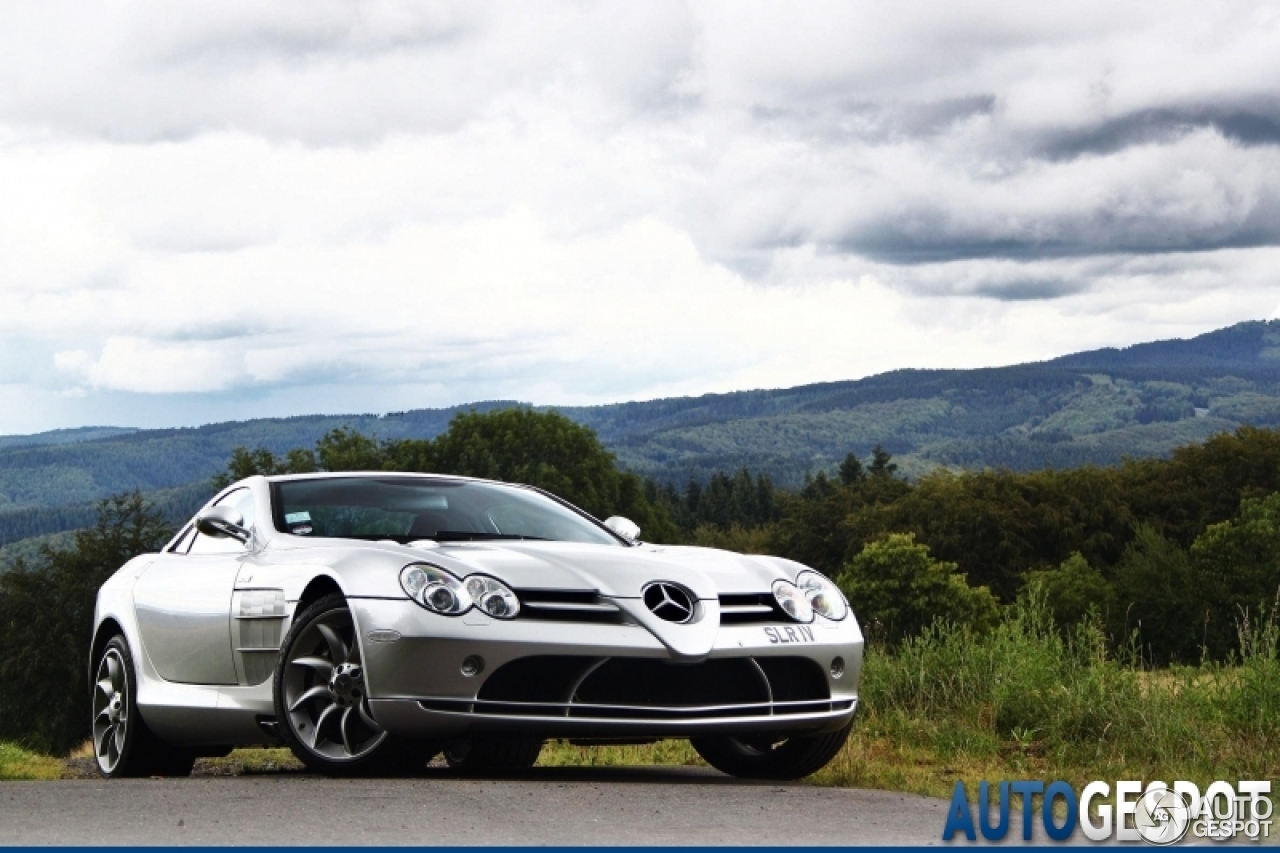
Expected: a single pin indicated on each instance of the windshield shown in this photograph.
(409, 508)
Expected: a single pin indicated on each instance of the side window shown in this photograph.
(240, 500)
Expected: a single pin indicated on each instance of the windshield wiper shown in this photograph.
(476, 536)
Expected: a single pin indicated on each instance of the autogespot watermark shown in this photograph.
(1124, 811)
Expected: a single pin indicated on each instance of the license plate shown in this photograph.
(790, 634)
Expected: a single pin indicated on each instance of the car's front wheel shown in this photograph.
(322, 704)
(771, 756)
(122, 743)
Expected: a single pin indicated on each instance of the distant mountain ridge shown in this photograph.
(1246, 346)
(1091, 407)
(64, 436)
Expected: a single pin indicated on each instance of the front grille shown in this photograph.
(750, 608)
(564, 605)
(571, 605)
(646, 688)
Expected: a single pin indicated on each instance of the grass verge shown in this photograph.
(19, 763)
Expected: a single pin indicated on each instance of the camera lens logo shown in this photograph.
(1162, 816)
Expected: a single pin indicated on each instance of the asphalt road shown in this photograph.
(565, 806)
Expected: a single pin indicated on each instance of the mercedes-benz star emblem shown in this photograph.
(669, 602)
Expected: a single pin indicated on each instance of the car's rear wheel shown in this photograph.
(492, 755)
(771, 756)
(122, 743)
(322, 704)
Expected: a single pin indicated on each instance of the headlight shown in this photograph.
(823, 596)
(493, 596)
(792, 601)
(435, 589)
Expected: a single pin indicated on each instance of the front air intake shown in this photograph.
(649, 688)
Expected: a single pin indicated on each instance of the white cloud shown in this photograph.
(320, 206)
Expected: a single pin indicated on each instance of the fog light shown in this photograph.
(837, 667)
(472, 665)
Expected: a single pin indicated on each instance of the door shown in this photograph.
(183, 603)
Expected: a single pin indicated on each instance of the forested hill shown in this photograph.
(1249, 348)
(1095, 407)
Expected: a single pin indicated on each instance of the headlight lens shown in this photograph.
(792, 601)
(435, 589)
(493, 596)
(823, 596)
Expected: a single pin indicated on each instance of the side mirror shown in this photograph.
(624, 527)
(222, 522)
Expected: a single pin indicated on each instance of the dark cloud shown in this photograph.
(1250, 124)
(914, 241)
(909, 246)
(1030, 290)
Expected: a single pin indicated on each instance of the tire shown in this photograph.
(321, 705)
(492, 755)
(122, 744)
(768, 757)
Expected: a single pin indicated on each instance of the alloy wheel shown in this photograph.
(110, 710)
(324, 690)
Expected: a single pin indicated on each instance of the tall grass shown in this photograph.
(1030, 699)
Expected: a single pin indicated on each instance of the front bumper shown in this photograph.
(568, 679)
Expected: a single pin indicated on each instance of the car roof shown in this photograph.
(323, 475)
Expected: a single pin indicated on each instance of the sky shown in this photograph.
(221, 210)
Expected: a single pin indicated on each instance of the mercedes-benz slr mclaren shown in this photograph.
(373, 621)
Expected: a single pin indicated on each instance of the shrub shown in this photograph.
(1071, 590)
(897, 590)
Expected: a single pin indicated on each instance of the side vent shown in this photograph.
(259, 620)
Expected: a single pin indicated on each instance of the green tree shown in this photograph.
(897, 589)
(1237, 564)
(851, 470)
(345, 449)
(1156, 595)
(1243, 554)
(247, 463)
(812, 527)
(1071, 590)
(881, 464)
(46, 620)
(543, 449)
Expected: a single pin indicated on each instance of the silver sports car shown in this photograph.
(372, 621)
